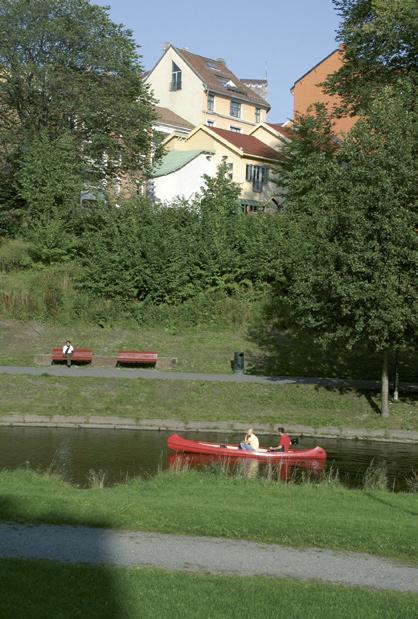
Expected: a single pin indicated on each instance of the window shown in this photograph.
(257, 114)
(210, 123)
(211, 103)
(257, 175)
(235, 129)
(235, 109)
(229, 170)
(175, 77)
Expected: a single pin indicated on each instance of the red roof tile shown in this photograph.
(285, 131)
(249, 144)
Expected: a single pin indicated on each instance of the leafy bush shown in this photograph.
(14, 254)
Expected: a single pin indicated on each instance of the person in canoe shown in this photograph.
(250, 442)
(284, 440)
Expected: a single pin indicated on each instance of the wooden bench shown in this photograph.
(135, 357)
(80, 355)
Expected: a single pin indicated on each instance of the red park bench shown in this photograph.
(134, 357)
(80, 355)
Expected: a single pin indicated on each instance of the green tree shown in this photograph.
(219, 212)
(379, 39)
(350, 246)
(67, 68)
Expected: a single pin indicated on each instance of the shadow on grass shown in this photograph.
(387, 503)
(35, 578)
(286, 355)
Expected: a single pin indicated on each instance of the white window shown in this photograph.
(235, 129)
(211, 103)
(210, 123)
(235, 109)
(257, 114)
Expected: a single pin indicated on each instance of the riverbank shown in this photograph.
(175, 425)
(195, 503)
(194, 402)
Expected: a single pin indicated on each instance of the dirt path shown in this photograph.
(201, 554)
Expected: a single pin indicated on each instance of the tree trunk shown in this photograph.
(385, 386)
(396, 379)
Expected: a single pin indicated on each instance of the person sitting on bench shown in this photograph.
(67, 351)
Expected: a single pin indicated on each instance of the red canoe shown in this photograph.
(184, 445)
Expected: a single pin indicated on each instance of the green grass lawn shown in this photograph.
(200, 349)
(65, 592)
(321, 516)
(204, 401)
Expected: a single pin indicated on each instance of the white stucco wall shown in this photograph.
(187, 102)
(185, 182)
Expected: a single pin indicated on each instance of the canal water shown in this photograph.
(123, 454)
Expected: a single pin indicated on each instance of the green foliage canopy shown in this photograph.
(350, 248)
(66, 68)
(380, 41)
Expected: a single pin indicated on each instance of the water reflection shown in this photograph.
(122, 454)
(285, 470)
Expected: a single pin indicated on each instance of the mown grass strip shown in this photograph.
(62, 592)
(205, 401)
(323, 516)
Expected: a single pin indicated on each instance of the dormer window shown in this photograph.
(175, 77)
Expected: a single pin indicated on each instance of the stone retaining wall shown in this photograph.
(175, 425)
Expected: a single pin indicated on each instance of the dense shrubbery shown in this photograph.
(201, 262)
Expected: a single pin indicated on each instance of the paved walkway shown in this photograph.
(201, 554)
(225, 378)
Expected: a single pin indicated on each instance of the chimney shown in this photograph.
(220, 60)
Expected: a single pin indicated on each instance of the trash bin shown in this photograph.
(238, 363)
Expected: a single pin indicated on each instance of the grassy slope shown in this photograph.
(200, 349)
(64, 592)
(192, 400)
(331, 516)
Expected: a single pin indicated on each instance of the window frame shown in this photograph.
(257, 175)
(211, 102)
(235, 106)
(176, 77)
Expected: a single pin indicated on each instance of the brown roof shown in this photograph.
(249, 144)
(287, 133)
(168, 117)
(216, 75)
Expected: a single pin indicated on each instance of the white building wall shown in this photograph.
(184, 183)
(187, 102)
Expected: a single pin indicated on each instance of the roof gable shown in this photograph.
(338, 50)
(248, 144)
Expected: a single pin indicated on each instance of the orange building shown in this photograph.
(307, 90)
